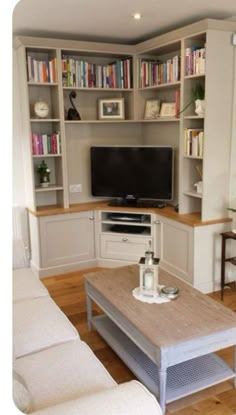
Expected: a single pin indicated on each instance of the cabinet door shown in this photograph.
(177, 249)
(66, 238)
(123, 247)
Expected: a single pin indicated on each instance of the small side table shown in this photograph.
(225, 236)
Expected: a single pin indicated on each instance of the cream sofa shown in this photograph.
(55, 372)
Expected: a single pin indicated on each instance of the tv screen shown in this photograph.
(132, 172)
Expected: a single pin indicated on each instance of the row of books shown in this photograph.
(41, 71)
(193, 142)
(195, 60)
(83, 74)
(43, 144)
(154, 73)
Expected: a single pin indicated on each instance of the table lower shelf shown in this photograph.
(182, 379)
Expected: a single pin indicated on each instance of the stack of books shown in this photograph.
(193, 142)
(82, 74)
(43, 144)
(41, 70)
(195, 60)
(155, 72)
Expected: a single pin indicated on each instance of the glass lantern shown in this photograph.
(148, 274)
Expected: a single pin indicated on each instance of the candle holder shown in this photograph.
(148, 274)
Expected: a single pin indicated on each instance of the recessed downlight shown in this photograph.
(137, 16)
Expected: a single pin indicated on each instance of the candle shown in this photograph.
(148, 279)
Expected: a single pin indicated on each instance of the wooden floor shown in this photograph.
(67, 290)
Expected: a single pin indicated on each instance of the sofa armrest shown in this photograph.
(124, 399)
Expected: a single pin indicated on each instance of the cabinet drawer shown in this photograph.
(123, 247)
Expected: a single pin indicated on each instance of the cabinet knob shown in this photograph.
(91, 217)
(124, 239)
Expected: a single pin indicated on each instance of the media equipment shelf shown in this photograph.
(126, 223)
(125, 235)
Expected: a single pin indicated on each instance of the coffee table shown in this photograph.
(168, 346)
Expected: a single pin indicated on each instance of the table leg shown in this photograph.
(162, 388)
(222, 267)
(89, 312)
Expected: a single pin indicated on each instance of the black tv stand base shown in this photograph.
(138, 203)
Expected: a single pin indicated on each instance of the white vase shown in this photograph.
(200, 107)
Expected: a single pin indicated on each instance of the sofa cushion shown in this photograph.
(26, 285)
(21, 395)
(37, 324)
(63, 372)
(125, 399)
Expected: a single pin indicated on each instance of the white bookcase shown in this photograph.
(72, 165)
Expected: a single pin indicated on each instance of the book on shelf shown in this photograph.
(193, 142)
(82, 74)
(41, 70)
(177, 103)
(195, 60)
(46, 144)
(153, 72)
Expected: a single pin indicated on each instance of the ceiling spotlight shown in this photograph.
(137, 16)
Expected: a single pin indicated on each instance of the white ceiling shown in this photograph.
(110, 20)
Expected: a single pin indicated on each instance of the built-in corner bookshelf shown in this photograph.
(158, 79)
(153, 80)
(94, 76)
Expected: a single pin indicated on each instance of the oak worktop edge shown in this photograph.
(189, 219)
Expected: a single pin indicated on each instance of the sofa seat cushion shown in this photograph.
(63, 372)
(37, 324)
(27, 285)
(125, 399)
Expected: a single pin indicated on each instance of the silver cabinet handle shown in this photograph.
(91, 217)
(157, 222)
(124, 239)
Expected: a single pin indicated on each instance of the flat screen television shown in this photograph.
(133, 174)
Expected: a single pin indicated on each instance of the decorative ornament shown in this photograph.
(41, 109)
(44, 174)
(148, 274)
(73, 114)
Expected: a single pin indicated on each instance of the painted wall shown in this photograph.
(18, 181)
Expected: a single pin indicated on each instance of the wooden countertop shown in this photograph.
(190, 219)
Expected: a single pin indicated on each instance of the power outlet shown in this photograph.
(75, 188)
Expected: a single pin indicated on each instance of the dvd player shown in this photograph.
(120, 217)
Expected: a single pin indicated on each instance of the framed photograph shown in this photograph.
(152, 109)
(168, 109)
(111, 109)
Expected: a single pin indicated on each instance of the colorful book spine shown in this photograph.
(42, 71)
(195, 60)
(83, 74)
(193, 142)
(45, 144)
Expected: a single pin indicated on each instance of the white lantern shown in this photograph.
(148, 274)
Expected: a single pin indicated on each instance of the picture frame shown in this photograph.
(152, 109)
(168, 109)
(111, 109)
